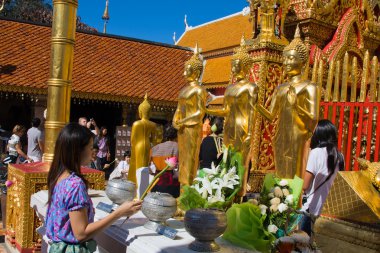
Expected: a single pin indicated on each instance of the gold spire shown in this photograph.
(196, 61)
(298, 45)
(241, 53)
(105, 17)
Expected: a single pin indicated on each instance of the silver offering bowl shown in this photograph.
(158, 207)
(205, 225)
(120, 191)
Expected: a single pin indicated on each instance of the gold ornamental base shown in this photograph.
(338, 236)
(22, 221)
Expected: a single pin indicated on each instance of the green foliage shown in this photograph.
(245, 228)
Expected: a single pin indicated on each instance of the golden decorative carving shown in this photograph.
(22, 220)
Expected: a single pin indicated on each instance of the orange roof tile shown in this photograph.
(108, 65)
(217, 70)
(221, 33)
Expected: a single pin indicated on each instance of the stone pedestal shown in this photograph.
(21, 219)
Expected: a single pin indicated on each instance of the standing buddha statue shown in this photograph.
(188, 119)
(238, 110)
(296, 106)
(142, 136)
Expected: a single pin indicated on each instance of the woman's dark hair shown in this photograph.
(170, 133)
(36, 122)
(325, 135)
(127, 153)
(69, 146)
(218, 122)
(101, 131)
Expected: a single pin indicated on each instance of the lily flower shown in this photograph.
(206, 186)
(225, 154)
(213, 171)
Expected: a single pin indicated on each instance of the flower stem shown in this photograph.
(154, 182)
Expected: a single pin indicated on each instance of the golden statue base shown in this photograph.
(334, 235)
(22, 221)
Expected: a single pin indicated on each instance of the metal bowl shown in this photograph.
(120, 191)
(205, 225)
(159, 207)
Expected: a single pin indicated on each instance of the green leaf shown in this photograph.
(191, 199)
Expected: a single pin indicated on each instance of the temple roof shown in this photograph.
(218, 34)
(105, 67)
(217, 72)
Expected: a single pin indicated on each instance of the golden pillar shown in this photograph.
(61, 65)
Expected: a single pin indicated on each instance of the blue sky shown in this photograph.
(155, 20)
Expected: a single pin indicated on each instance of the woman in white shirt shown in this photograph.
(14, 146)
(122, 168)
(322, 165)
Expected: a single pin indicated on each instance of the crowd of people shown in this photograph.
(84, 144)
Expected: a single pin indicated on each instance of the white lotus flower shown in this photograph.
(275, 201)
(263, 209)
(289, 199)
(285, 192)
(213, 171)
(271, 195)
(283, 182)
(282, 207)
(272, 228)
(278, 192)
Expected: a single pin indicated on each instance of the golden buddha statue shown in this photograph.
(295, 104)
(188, 119)
(142, 136)
(238, 110)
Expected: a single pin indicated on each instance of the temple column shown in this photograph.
(61, 66)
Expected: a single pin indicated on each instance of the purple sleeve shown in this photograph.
(77, 196)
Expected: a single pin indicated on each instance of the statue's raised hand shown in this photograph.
(292, 95)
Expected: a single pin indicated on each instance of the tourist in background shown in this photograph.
(70, 222)
(93, 127)
(95, 161)
(206, 128)
(121, 170)
(322, 166)
(168, 182)
(14, 146)
(211, 146)
(103, 144)
(82, 121)
(35, 141)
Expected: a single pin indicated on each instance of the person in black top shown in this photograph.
(211, 147)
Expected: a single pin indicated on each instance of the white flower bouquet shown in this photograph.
(217, 186)
(277, 198)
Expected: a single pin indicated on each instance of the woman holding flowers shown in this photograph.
(322, 165)
(70, 222)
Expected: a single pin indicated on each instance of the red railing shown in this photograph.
(358, 129)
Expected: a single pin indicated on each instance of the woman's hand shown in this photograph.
(129, 208)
